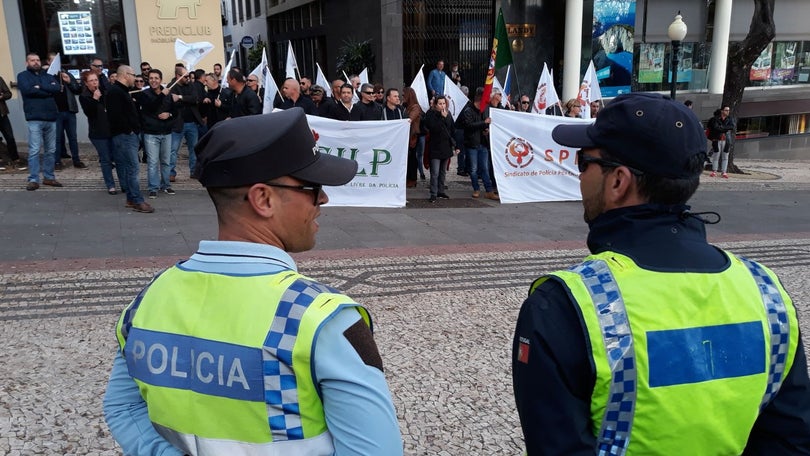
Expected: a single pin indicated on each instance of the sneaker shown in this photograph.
(724, 176)
(112, 191)
(79, 165)
(476, 194)
(492, 196)
(20, 165)
(713, 174)
(144, 207)
(32, 186)
(432, 199)
(169, 191)
(52, 182)
(443, 196)
(2, 166)
(152, 195)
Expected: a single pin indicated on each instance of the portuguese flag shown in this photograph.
(500, 56)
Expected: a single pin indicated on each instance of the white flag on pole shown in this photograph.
(292, 64)
(546, 96)
(320, 79)
(260, 70)
(456, 100)
(191, 53)
(270, 91)
(364, 76)
(56, 65)
(224, 82)
(589, 91)
(420, 87)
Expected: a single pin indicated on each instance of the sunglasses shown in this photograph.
(584, 160)
(380, 91)
(316, 190)
(96, 66)
(252, 80)
(369, 93)
(525, 102)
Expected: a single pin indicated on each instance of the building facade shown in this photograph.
(626, 40)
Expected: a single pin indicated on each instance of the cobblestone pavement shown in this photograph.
(443, 323)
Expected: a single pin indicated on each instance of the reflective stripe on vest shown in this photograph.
(280, 384)
(778, 326)
(614, 435)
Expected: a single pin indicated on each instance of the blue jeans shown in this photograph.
(66, 124)
(190, 132)
(41, 134)
(126, 147)
(158, 154)
(106, 153)
(479, 164)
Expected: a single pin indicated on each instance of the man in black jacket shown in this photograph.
(7, 131)
(67, 106)
(187, 124)
(212, 108)
(659, 342)
(474, 124)
(243, 101)
(366, 108)
(291, 91)
(125, 126)
(158, 113)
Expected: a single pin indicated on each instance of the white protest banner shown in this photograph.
(291, 66)
(55, 66)
(545, 96)
(381, 151)
(589, 91)
(528, 164)
(364, 76)
(261, 68)
(321, 80)
(456, 100)
(191, 53)
(224, 82)
(418, 85)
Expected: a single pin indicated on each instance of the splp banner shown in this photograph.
(529, 165)
(381, 151)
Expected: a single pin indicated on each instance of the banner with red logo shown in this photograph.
(381, 151)
(529, 166)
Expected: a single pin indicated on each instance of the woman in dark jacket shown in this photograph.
(414, 113)
(92, 101)
(439, 123)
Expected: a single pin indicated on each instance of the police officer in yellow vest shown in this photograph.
(658, 343)
(233, 351)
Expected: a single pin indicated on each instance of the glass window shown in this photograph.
(248, 9)
(76, 36)
(765, 126)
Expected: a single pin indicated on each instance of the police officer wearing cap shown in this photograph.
(658, 342)
(233, 351)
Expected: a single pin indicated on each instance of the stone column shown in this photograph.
(572, 56)
(722, 29)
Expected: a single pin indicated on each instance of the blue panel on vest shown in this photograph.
(201, 365)
(705, 353)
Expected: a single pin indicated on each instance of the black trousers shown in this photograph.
(8, 134)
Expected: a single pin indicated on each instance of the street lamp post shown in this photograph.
(676, 33)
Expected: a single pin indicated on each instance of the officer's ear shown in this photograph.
(260, 199)
(621, 188)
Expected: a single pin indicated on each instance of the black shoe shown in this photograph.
(79, 165)
(20, 164)
(32, 186)
(463, 174)
(443, 196)
(432, 199)
(168, 191)
(58, 166)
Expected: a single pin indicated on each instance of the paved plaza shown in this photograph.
(443, 282)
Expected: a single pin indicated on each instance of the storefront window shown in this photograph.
(760, 127)
(77, 29)
(781, 63)
(653, 61)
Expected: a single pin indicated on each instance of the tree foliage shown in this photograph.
(741, 57)
(354, 56)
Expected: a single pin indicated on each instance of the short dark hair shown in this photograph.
(687, 103)
(199, 73)
(145, 63)
(666, 190)
(389, 90)
(217, 65)
(157, 72)
(347, 86)
(236, 75)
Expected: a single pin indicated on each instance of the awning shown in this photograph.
(774, 108)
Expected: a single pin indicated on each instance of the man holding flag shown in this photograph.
(500, 56)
